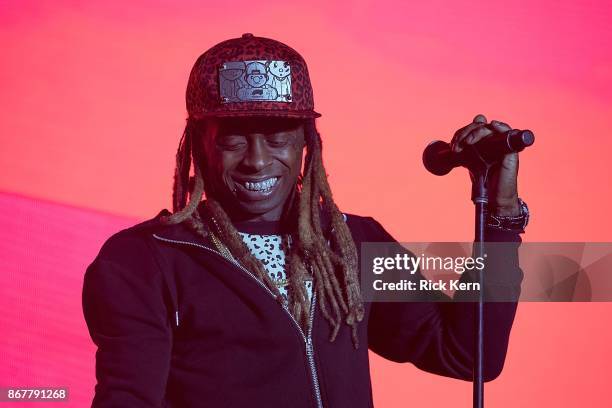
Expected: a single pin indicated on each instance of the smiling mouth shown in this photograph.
(259, 188)
(263, 185)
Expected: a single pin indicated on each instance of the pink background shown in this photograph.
(92, 109)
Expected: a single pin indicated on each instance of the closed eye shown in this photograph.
(232, 147)
(277, 141)
(231, 142)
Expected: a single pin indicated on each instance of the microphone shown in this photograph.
(439, 159)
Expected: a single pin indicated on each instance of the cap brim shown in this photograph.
(263, 113)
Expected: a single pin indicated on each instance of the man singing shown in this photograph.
(248, 293)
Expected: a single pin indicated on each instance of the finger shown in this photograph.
(499, 126)
(476, 135)
(473, 137)
(480, 118)
(462, 133)
(510, 163)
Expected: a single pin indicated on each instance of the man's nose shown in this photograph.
(257, 156)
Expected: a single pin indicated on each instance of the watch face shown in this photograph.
(524, 212)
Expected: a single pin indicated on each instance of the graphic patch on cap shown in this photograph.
(258, 80)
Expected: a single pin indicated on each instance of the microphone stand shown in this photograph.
(479, 171)
(439, 159)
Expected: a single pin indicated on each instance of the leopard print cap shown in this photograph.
(203, 96)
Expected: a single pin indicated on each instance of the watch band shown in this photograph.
(514, 223)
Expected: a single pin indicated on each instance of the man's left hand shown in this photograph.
(502, 178)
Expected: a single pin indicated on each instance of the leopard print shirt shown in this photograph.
(269, 249)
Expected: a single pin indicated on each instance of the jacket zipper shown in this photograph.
(306, 337)
(310, 352)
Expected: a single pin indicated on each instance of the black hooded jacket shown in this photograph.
(178, 325)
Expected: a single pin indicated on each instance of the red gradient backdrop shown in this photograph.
(92, 109)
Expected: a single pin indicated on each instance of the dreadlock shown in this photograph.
(332, 266)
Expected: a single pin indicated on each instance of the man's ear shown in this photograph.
(303, 137)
